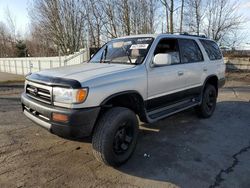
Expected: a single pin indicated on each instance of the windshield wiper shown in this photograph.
(126, 52)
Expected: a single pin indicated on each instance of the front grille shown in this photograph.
(39, 92)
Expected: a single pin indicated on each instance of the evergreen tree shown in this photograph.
(21, 49)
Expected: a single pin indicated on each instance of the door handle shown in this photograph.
(180, 73)
(205, 69)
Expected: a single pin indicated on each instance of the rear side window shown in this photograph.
(190, 51)
(212, 49)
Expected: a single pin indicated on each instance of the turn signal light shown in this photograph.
(60, 117)
(81, 95)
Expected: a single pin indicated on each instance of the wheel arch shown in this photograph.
(213, 80)
(131, 99)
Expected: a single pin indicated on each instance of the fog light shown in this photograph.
(60, 117)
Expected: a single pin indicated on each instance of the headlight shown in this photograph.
(69, 96)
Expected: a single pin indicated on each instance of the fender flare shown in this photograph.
(205, 82)
(121, 93)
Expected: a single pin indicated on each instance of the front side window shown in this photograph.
(190, 51)
(212, 49)
(169, 46)
(123, 51)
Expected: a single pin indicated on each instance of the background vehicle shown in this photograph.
(151, 76)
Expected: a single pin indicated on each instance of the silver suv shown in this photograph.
(149, 76)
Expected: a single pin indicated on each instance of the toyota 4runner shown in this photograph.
(149, 76)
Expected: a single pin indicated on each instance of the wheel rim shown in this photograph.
(210, 101)
(123, 138)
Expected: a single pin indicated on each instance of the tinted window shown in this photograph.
(212, 49)
(190, 51)
(169, 46)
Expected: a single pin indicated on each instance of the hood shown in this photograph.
(85, 71)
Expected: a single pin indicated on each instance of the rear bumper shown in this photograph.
(80, 121)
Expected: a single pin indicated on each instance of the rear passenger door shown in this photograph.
(193, 60)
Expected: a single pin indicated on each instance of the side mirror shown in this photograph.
(91, 55)
(162, 59)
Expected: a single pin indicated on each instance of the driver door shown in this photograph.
(166, 83)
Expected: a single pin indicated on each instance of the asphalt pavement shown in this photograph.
(179, 151)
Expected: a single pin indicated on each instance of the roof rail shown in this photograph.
(185, 33)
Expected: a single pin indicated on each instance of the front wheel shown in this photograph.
(115, 136)
(209, 98)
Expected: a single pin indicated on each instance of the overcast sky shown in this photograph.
(19, 9)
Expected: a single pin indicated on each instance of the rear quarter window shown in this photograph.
(212, 49)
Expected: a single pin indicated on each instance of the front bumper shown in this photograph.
(80, 121)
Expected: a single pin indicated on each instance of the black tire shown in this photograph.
(208, 104)
(115, 136)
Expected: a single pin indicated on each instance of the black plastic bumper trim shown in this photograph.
(81, 121)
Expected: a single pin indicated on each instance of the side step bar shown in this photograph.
(171, 109)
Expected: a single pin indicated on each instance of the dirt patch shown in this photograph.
(10, 78)
(237, 78)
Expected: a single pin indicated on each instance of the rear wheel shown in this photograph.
(209, 98)
(115, 136)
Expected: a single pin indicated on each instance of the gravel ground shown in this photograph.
(181, 151)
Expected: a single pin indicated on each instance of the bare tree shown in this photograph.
(39, 43)
(96, 17)
(124, 16)
(182, 12)
(195, 14)
(166, 7)
(171, 17)
(233, 39)
(142, 16)
(5, 43)
(109, 20)
(68, 24)
(62, 20)
(152, 13)
(11, 22)
(222, 19)
(169, 10)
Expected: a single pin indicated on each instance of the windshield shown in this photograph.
(123, 51)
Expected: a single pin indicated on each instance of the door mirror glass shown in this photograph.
(162, 59)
